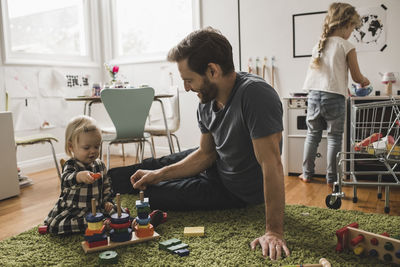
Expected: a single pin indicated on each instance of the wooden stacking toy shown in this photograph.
(143, 227)
(364, 243)
(121, 234)
(95, 235)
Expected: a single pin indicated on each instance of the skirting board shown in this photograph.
(112, 245)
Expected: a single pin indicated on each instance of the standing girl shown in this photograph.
(327, 83)
(84, 177)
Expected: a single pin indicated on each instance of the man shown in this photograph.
(238, 162)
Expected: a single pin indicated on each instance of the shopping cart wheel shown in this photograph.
(333, 202)
(355, 199)
(387, 209)
(379, 195)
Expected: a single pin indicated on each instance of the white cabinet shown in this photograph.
(9, 184)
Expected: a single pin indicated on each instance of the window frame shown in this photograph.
(91, 34)
(111, 41)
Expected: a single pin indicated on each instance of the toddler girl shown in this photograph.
(326, 81)
(84, 177)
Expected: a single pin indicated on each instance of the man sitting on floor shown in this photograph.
(238, 162)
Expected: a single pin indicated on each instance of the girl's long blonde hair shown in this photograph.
(78, 125)
(340, 15)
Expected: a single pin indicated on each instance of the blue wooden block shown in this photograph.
(94, 218)
(95, 237)
(145, 221)
(182, 252)
(120, 236)
(120, 220)
(145, 203)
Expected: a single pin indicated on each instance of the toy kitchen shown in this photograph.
(295, 113)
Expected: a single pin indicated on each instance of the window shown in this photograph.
(47, 32)
(146, 30)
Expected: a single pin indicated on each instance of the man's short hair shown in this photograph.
(202, 47)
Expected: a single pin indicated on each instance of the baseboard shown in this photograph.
(40, 164)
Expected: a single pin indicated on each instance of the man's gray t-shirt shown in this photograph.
(253, 110)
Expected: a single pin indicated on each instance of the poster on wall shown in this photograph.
(371, 35)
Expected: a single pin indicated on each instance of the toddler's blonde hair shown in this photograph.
(76, 126)
(340, 15)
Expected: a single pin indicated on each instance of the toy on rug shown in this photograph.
(322, 263)
(108, 257)
(364, 243)
(120, 235)
(193, 231)
(174, 246)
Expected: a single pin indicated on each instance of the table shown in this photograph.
(90, 100)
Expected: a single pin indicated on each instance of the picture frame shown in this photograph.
(307, 27)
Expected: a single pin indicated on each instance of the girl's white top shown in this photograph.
(332, 75)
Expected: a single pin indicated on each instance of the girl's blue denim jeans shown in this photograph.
(325, 111)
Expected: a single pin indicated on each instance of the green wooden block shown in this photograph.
(168, 243)
(176, 247)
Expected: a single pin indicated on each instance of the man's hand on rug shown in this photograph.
(141, 178)
(271, 245)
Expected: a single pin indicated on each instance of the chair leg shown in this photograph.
(153, 147)
(101, 150)
(142, 152)
(55, 159)
(177, 142)
(123, 154)
(137, 153)
(108, 156)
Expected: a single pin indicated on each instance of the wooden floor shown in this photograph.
(29, 209)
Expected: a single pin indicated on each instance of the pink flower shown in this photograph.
(115, 69)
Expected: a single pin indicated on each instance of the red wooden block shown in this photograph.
(92, 232)
(120, 225)
(98, 243)
(96, 176)
(42, 229)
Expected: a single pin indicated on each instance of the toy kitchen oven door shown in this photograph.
(295, 135)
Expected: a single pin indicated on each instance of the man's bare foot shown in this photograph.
(304, 179)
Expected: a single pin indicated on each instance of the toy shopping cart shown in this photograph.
(374, 141)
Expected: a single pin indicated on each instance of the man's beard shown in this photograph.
(208, 91)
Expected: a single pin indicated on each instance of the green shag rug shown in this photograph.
(309, 232)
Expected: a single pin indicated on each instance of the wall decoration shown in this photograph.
(20, 82)
(371, 35)
(307, 27)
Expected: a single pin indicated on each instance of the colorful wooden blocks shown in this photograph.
(168, 243)
(174, 246)
(364, 243)
(120, 235)
(193, 231)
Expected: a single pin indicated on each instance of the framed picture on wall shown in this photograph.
(307, 28)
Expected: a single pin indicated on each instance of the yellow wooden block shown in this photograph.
(95, 226)
(193, 231)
